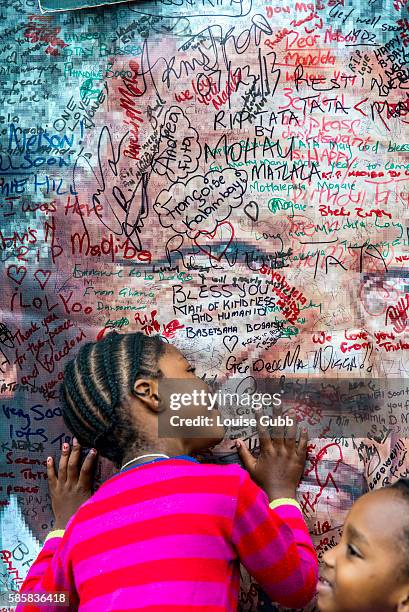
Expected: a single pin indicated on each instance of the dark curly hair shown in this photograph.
(401, 487)
(95, 384)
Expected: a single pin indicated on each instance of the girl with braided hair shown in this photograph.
(166, 533)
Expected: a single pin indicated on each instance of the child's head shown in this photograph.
(369, 569)
(110, 397)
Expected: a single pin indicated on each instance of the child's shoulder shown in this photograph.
(217, 469)
(228, 476)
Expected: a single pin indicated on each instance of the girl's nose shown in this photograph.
(330, 556)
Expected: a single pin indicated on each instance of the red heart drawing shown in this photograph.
(45, 274)
(215, 236)
(19, 275)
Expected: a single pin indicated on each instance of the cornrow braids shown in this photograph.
(107, 356)
(95, 384)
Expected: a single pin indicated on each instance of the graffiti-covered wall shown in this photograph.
(231, 175)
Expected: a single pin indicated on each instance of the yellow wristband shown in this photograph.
(284, 501)
(57, 533)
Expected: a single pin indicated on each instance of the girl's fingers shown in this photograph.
(264, 436)
(62, 466)
(279, 430)
(52, 478)
(302, 444)
(291, 430)
(245, 455)
(87, 469)
(72, 466)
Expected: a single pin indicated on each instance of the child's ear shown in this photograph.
(147, 393)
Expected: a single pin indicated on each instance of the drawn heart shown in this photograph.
(19, 274)
(215, 237)
(230, 342)
(252, 211)
(45, 275)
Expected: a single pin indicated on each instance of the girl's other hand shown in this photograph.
(279, 467)
(72, 487)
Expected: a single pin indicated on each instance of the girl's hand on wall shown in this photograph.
(72, 487)
(279, 467)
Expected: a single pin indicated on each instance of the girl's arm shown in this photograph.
(49, 576)
(52, 573)
(269, 532)
(274, 545)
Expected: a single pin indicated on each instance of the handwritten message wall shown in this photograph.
(231, 175)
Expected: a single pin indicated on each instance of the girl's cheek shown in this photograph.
(351, 590)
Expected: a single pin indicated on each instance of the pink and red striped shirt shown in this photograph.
(169, 535)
